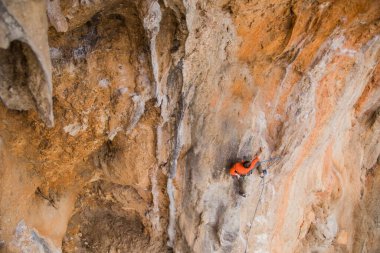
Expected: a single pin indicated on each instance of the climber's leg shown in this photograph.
(243, 186)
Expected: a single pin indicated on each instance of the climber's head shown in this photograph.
(247, 164)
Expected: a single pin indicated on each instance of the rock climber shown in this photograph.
(242, 169)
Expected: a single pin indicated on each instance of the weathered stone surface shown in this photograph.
(155, 100)
(55, 15)
(25, 67)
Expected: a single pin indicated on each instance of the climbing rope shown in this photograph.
(271, 159)
(254, 214)
(259, 201)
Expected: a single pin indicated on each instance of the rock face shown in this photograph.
(25, 66)
(155, 100)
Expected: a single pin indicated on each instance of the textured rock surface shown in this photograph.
(25, 67)
(153, 100)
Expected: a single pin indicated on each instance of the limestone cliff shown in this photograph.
(153, 101)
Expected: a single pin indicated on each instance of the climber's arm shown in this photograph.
(255, 162)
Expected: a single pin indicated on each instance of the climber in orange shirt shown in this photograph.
(245, 168)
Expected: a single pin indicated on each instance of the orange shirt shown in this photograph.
(239, 169)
